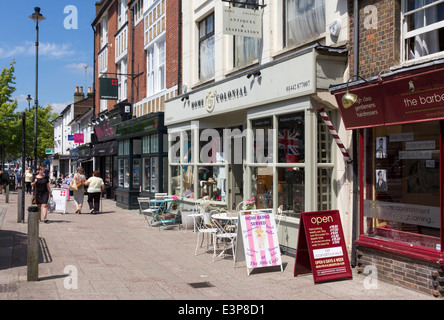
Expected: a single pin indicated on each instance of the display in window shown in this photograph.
(381, 147)
(291, 138)
(402, 183)
(381, 180)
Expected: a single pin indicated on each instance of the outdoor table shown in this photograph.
(161, 207)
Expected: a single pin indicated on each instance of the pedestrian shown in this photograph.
(42, 194)
(79, 194)
(28, 179)
(68, 179)
(18, 176)
(95, 188)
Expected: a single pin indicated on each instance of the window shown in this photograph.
(402, 184)
(291, 139)
(155, 64)
(246, 49)
(304, 20)
(122, 16)
(104, 32)
(123, 80)
(423, 28)
(206, 48)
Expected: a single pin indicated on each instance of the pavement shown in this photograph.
(116, 255)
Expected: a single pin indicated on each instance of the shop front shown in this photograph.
(141, 160)
(399, 118)
(257, 135)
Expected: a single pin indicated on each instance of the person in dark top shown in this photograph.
(42, 193)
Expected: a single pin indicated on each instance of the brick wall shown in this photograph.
(402, 271)
(379, 49)
(172, 43)
(139, 83)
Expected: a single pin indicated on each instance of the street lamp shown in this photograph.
(29, 99)
(36, 17)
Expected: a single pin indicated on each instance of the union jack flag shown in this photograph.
(289, 143)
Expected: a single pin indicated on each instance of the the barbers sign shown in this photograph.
(242, 22)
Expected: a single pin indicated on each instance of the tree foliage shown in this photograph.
(11, 139)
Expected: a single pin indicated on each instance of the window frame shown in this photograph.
(423, 30)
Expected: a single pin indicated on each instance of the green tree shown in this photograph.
(9, 124)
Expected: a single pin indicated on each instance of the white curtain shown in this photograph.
(207, 69)
(426, 43)
(305, 20)
(246, 50)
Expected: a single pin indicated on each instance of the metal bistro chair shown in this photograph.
(146, 209)
(226, 232)
(204, 227)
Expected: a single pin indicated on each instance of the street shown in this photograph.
(116, 255)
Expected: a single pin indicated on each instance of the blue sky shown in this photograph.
(63, 52)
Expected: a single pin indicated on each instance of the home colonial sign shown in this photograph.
(242, 92)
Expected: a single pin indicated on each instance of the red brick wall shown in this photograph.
(139, 83)
(172, 43)
(379, 49)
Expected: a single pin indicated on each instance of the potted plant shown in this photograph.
(250, 204)
(175, 202)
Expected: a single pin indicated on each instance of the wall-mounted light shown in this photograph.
(187, 97)
(255, 74)
(349, 99)
(411, 86)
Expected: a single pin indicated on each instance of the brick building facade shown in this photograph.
(398, 52)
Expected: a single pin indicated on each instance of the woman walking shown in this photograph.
(43, 192)
(95, 187)
(28, 179)
(79, 194)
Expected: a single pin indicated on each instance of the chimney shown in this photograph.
(78, 95)
(89, 94)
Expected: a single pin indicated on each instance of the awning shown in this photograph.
(105, 149)
(407, 96)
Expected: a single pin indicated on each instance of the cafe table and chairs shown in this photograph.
(161, 208)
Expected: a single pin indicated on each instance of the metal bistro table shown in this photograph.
(161, 207)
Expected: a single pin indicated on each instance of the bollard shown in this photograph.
(33, 243)
(7, 193)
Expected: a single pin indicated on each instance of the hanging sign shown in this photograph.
(242, 22)
(79, 138)
(321, 247)
(259, 246)
(109, 89)
(59, 197)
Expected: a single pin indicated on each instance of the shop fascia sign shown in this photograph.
(242, 22)
(412, 98)
(288, 79)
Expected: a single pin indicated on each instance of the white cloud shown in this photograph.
(79, 67)
(52, 50)
(58, 107)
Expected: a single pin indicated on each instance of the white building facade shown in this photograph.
(246, 125)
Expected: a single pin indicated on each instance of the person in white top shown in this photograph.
(95, 188)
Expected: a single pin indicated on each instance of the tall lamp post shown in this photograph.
(37, 17)
(29, 99)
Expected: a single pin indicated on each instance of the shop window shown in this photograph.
(291, 138)
(402, 183)
(325, 188)
(188, 182)
(304, 20)
(206, 48)
(262, 186)
(175, 180)
(263, 140)
(423, 29)
(291, 184)
(136, 173)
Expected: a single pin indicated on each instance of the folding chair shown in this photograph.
(204, 227)
(145, 208)
(226, 232)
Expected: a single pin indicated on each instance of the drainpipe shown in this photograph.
(94, 73)
(179, 53)
(355, 138)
